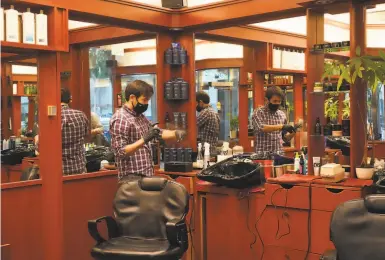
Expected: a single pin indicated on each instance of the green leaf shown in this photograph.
(339, 83)
(354, 77)
(359, 73)
(382, 54)
(358, 51)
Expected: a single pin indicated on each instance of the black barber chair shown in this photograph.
(149, 222)
(357, 230)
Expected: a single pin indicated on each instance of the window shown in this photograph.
(24, 114)
(101, 90)
(376, 112)
(151, 112)
(222, 87)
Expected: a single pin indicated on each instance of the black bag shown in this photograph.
(379, 181)
(96, 155)
(15, 156)
(235, 172)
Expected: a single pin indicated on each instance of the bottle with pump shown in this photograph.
(12, 33)
(41, 29)
(296, 163)
(318, 127)
(199, 156)
(28, 27)
(206, 158)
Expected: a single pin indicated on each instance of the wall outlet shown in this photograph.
(52, 110)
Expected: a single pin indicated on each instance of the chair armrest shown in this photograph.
(177, 233)
(112, 228)
(329, 255)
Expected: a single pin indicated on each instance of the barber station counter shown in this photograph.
(287, 218)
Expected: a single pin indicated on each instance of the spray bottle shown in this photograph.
(199, 156)
(296, 163)
(206, 158)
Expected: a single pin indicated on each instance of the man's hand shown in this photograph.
(288, 128)
(153, 133)
(180, 135)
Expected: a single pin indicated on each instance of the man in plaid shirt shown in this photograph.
(132, 132)
(208, 121)
(269, 122)
(74, 128)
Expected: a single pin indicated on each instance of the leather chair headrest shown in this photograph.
(375, 203)
(152, 184)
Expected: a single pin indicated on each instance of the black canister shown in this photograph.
(180, 155)
(346, 127)
(188, 155)
(166, 155)
(174, 154)
(183, 56)
(184, 89)
(169, 90)
(328, 130)
(168, 56)
(175, 55)
(176, 87)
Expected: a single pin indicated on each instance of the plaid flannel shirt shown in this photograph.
(74, 128)
(267, 142)
(208, 127)
(127, 127)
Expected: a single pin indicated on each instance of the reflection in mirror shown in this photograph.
(112, 67)
(19, 124)
(222, 87)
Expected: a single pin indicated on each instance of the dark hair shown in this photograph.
(65, 96)
(201, 95)
(274, 91)
(138, 88)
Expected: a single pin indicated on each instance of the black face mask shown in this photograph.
(273, 107)
(199, 109)
(140, 108)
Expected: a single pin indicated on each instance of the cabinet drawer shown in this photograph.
(290, 196)
(280, 253)
(328, 198)
(284, 228)
(187, 182)
(320, 231)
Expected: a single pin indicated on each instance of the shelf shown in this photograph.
(329, 92)
(17, 47)
(285, 71)
(279, 85)
(23, 95)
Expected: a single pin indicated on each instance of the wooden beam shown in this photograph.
(218, 63)
(144, 69)
(358, 92)
(50, 162)
(254, 33)
(119, 13)
(104, 35)
(24, 77)
(226, 14)
(315, 69)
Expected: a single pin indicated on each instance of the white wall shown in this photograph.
(20, 69)
(217, 50)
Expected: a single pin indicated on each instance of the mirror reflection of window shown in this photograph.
(101, 90)
(222, 86)
(151, 112)
(24, 115)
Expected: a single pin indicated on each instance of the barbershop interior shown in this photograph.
(192, 130)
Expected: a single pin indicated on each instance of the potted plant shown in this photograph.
(331, 109)
(371, 70)
(346, 117)
(234, 124)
